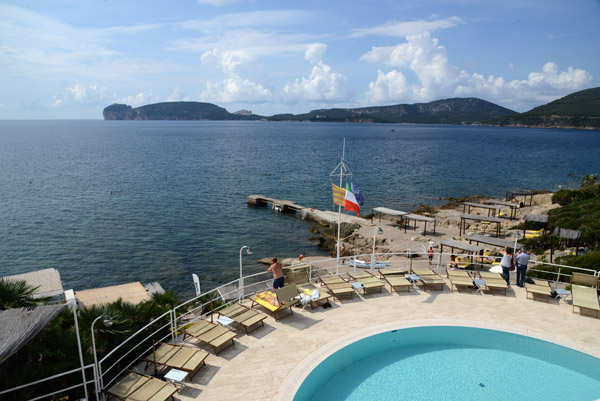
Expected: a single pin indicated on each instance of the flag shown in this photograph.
(338, 194)
(350, 202)
(357, 194)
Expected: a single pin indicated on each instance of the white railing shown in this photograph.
(192, 310)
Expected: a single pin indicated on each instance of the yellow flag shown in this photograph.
(339, 194)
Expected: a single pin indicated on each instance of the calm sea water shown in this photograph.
(109, 202)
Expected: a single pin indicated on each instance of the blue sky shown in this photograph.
(68, 59)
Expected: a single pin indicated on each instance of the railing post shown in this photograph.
(558, 276)
(310, 272)
(173, 324)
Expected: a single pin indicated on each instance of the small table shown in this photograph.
(176, 378)
(413, 278)
(480, 284)
(225, 321)
(356, 285)
(562, 294)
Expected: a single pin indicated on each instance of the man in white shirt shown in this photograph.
(522, 261)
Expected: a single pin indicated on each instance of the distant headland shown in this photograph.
(580, 110)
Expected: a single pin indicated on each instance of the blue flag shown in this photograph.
(357, 194)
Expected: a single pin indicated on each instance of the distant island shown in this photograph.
(580, 110)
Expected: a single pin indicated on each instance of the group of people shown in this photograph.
(508, 264)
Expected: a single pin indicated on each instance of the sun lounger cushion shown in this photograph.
(178, 357)
(243, 315)
(210, 333)
(585, 298)
(138, 387)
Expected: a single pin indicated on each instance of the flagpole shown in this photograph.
(344, 171)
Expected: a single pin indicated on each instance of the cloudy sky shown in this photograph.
(68, 59)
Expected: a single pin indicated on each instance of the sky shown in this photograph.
(68, 59)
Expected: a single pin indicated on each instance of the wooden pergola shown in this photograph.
(464, 217)
(472, 250)
(513, 206)
(500, 243)
(566, 234)
(538, 218)
(490, 209)
(524, 194)
(385, 210)
(416, 217)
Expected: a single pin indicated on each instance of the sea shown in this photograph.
(111, 202)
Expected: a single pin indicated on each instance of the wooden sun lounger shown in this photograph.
(299, 277)
(210, 333)
(395, 278)
(337, 286)
(459, 278)
(280, 300)
(539, 289)
(585, 292)
(494, 281)
(243, 315)
(139, 387)
(367, 280)
(179, 357)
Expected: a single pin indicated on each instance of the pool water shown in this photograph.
(453, 363)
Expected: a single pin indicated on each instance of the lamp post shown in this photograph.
(517, 235)
(379, 231)
(241, 291)
(107, 321)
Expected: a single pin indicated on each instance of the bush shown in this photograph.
(590, 260)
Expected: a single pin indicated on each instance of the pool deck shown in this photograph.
(271, 362)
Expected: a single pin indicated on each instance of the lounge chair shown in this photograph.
(210, 333)
(494, 281)
(539, 289)
(395, 278)
(243, 315)
(367, 280)
(429, 278)
(179, 357)
(585, 292)
(464, 263)
(280, 300)
(139, 387)
(298, 277)
(460, 278)
(337, 286)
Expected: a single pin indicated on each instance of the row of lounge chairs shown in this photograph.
(137, 386)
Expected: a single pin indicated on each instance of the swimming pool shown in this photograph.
(452, 363)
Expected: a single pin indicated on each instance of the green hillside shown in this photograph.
(447, 111)
(173, 111)
(578, 110)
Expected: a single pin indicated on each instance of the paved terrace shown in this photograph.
(271, 362)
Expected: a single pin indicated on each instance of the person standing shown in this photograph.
(522, 261)
(430, 254)
(506, 263)
(277, 271)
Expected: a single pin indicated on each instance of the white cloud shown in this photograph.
(235, 89)
(314, 52)
(140, 99)
(437, 78)
(83, 95)
(402, 29)
(323, 85)
(177, 95)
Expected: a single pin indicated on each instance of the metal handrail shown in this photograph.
(174, 320)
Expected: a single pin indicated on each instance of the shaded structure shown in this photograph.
(480, 219)
(416, 217)
(501, 243)
(385, 210)
(19, 325)
(568, 236)
(514, 194)
(538, 218)
(472, 250)
(47, 282)
(493, 210)
(513, 207)
(132, 292)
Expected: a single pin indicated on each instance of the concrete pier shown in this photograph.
(325, 218)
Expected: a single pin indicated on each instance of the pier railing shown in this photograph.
(169, 325)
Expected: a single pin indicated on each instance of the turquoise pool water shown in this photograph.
(453, 363)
